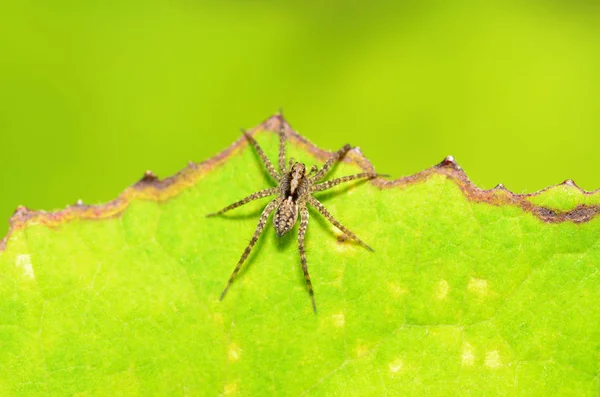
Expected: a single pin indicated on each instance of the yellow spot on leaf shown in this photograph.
(339, 320)
(230, 389)
(467, 355)
(396, 365)
(442, 290)
(397, 290)
(218, 318)
(361, 350)
(478, 287)
(234, 352)
(492, 359)
(23, 262)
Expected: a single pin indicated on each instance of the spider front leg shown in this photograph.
(330, 161)
(301, 232)
(329, 184)
(263, 156)
(259, 228)
(281, 144)
(260, 194)
(315, 203)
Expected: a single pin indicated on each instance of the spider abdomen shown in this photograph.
(285, 216)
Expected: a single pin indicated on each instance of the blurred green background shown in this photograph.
(94, 93)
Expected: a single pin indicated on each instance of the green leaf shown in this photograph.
(468, 292)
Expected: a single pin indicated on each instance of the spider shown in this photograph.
(294, 191)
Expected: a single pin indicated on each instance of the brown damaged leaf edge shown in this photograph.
(150, 187)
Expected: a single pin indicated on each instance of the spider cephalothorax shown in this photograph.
(294, 186)
(294, 190)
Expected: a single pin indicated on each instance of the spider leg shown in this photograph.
(281, 144)
(329, 184)
(301, 232)
(315, 203)
(261, 225)
(263, 156)
(330, 161)
(255, 196)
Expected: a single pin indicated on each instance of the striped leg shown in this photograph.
(263, 156)
(282, 146)
(315, 203)
(301, 233)
(261, 225)
(329, 184)
(260, 194)
(330, 161)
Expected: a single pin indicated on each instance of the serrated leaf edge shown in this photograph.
(150, 187)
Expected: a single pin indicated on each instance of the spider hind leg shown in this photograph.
(301, 234)
(259, 228)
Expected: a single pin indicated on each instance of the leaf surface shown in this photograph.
(468, 291)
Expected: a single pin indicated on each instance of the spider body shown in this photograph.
(294, 191)
(294, 186)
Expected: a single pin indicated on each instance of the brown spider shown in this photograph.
(294, 190)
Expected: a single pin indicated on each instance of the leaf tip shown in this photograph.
(449, 162)
(569, 182)
(356, 150)
(21, 212)
(21, 215)
(149, 176)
